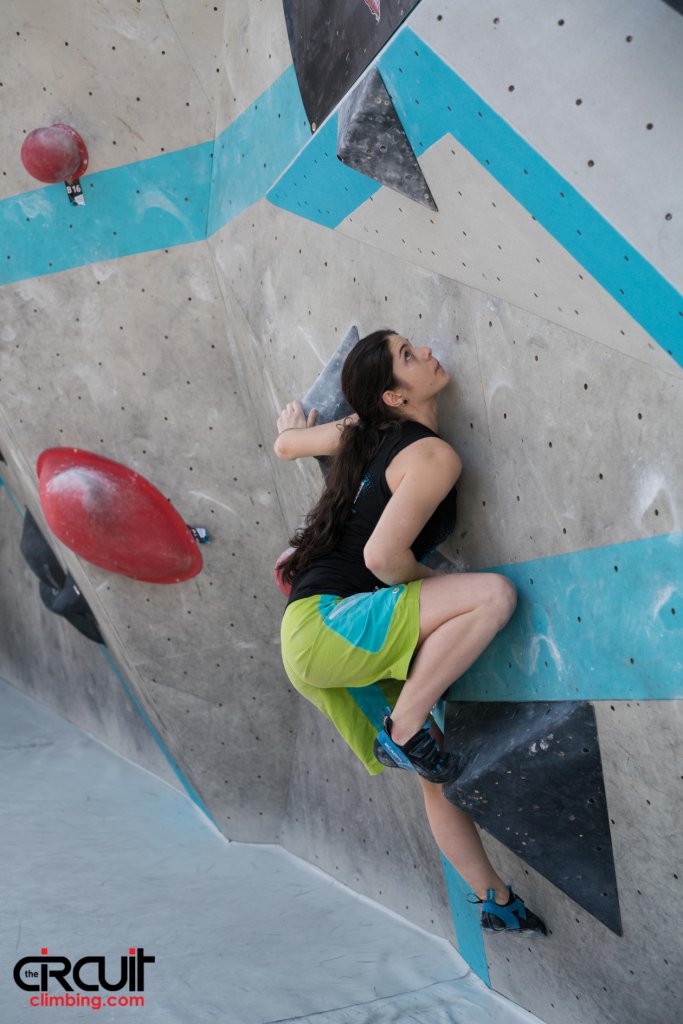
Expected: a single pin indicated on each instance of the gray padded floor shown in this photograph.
(99, 856)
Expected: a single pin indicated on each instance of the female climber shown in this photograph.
(364, 609)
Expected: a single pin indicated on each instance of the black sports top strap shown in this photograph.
(343, 571)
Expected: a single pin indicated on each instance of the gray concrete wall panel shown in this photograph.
(255, 53)
(483, 238)
(199, 31)
(151, 383)
(232, 717)
(122, 76)
(576, 465)
(582, 85)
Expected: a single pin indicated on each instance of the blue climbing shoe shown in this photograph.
(512, 916)
(419, 754)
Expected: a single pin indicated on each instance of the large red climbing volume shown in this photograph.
(115, 518)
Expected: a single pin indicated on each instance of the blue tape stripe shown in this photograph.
(158, 203)
(431, 101)
(164, 201)
(601, 624)
(466, 921)
(256, 148)
(152, 204)
(12, 498)
(320, 187)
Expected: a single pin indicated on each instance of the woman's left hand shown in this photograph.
(294, 416)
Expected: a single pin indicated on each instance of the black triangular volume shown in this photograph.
(532, 777)
(333, 43)
(38, 554)
(372, 140)
(58, 590)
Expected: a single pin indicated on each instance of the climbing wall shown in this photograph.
(123, 347)
(37, 645)
(499, 184)
(534, 283)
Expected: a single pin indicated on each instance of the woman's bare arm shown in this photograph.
(298, 436)
(431, 469)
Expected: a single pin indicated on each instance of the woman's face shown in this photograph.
(420, 374)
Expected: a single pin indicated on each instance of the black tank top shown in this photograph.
(343, 571)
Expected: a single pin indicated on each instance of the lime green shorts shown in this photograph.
(350, 657)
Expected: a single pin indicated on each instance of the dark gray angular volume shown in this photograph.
(326, 395)
(532, 777)
(372, 140)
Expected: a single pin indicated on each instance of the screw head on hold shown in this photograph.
(54, 154)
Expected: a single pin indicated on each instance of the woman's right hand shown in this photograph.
(293, 416)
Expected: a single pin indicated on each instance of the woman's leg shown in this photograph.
(456, 836)
(458, 839)
(459, 616)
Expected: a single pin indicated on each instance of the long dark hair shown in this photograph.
(367, 373)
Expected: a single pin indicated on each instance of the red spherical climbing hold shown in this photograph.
(115, 518)
(54, 154)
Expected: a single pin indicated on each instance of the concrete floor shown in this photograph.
(100, 856)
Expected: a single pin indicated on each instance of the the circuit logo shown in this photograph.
(33, 973)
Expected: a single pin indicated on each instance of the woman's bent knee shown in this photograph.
(502, 597)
